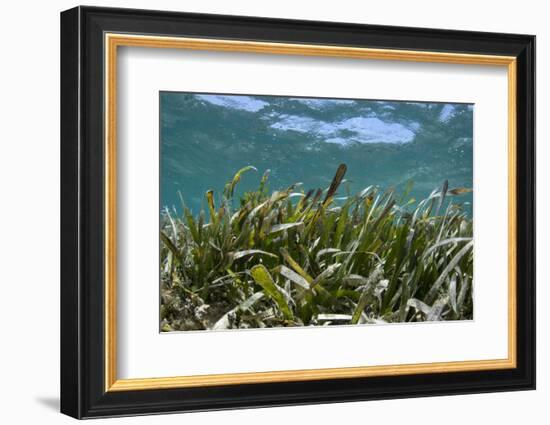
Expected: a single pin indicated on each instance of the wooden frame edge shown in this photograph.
(110, 212)
(114, 40)
(306, 375)
(512, 212)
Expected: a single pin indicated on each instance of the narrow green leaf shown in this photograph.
(452, 264)
(419, 306)
(293, 276)
(211, 206)
(247, 252)
(444, 242)
(366, 297)
(192, 226)
(170, 245)
(325, 274)
(460, 190)
(280, 227)
(442, 194)
(437, 310)
(337, 179)
(237, 178)
(297, 268)
(326, 251)
(263, 278)
(452, 294)
(337, 317)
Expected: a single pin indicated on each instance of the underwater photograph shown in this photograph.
(281, 211)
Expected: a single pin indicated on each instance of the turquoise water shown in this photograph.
(206, 138)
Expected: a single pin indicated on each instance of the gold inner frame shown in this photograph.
(113, 41)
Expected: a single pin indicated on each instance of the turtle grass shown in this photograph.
(296, 258)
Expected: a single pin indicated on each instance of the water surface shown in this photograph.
(206, 138)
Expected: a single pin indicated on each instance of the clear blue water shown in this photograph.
(206, 138)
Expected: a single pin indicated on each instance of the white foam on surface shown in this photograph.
(245, 103)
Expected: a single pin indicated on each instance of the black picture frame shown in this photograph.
(83, 392)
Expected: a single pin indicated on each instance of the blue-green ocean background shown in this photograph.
(206, 138)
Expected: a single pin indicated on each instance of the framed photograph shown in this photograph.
(261, 212)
